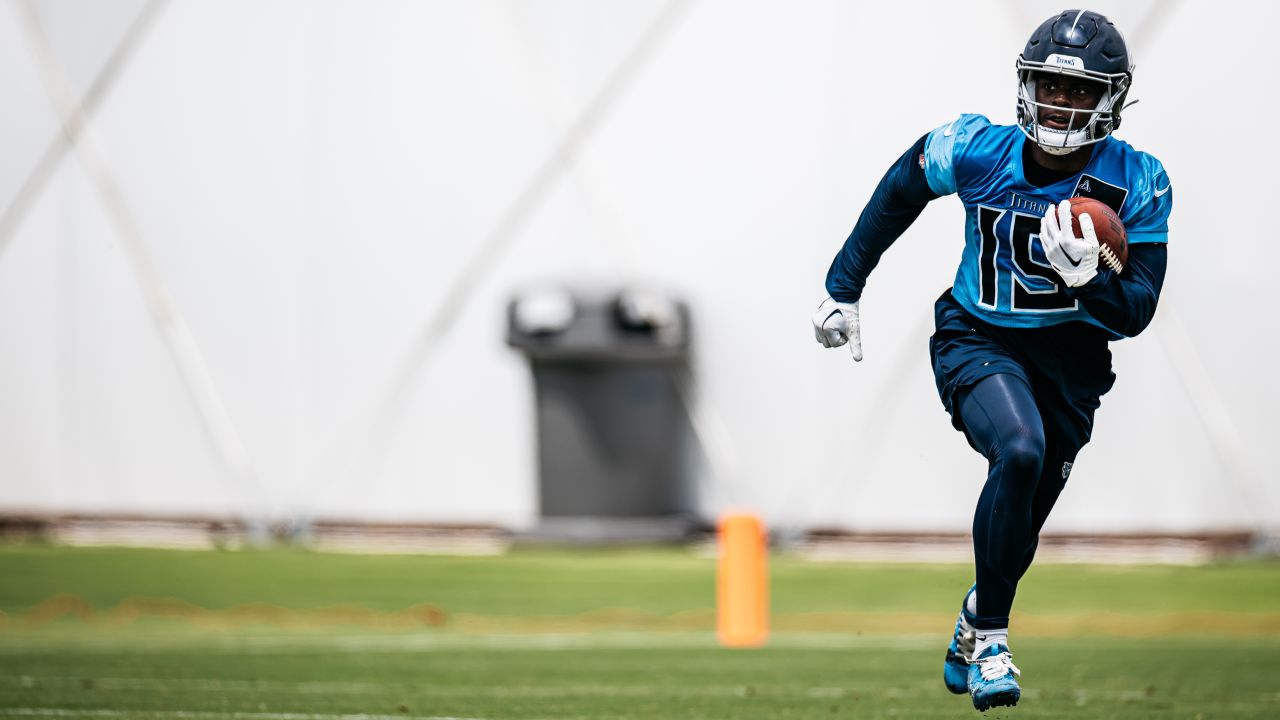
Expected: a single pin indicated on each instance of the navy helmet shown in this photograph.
(1082, 44)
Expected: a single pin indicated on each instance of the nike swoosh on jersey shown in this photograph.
(1166, 189)
(947, 132)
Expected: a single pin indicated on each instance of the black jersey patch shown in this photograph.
(1113, 196)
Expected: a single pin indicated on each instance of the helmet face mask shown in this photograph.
(1077, 44)
(1101, 120)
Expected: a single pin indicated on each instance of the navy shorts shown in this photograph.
(1067, 367)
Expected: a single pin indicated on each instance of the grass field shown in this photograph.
(288, 635)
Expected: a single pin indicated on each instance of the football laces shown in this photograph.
(1110, 258)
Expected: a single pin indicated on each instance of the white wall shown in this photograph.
(306, 183)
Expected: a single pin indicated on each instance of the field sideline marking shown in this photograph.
(1079, 696)
(431, 642)
(207, 715)
(430, 691)
(267, 645)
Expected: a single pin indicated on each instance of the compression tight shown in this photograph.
(1003, 423)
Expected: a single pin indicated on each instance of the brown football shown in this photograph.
(1111, 234)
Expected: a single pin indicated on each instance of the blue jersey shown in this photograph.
(1004, 277)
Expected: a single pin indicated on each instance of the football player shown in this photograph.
(1020, 352)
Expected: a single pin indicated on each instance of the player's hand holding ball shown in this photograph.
(1074, 258)
(836, 323)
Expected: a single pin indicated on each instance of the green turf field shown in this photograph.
(288, 635)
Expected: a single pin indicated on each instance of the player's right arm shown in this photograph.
(896, 203)
(901, 195)
(924, 172)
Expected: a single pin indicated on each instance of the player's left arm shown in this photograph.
(1126, 302)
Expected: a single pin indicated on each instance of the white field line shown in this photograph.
(433, 691)
(1080, 697)
(432, 642)
(204, 715)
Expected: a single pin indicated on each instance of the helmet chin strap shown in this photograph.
(1056, 149)
(1060, 142)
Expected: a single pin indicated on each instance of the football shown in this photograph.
(1111, 234)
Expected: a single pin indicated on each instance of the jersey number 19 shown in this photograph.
(1032, 283)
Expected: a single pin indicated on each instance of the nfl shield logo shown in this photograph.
(1066, 470)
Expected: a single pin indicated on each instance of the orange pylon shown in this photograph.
(742, 582)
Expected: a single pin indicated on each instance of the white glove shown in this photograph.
(836, 323)
(1075, 259)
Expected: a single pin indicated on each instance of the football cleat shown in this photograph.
(993, 679)
(955, 671)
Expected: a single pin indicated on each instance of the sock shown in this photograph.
(987, 638)
(971, 602)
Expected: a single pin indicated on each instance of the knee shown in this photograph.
(1023, 455)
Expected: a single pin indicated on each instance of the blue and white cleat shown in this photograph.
(993, 680)
(955, 671)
